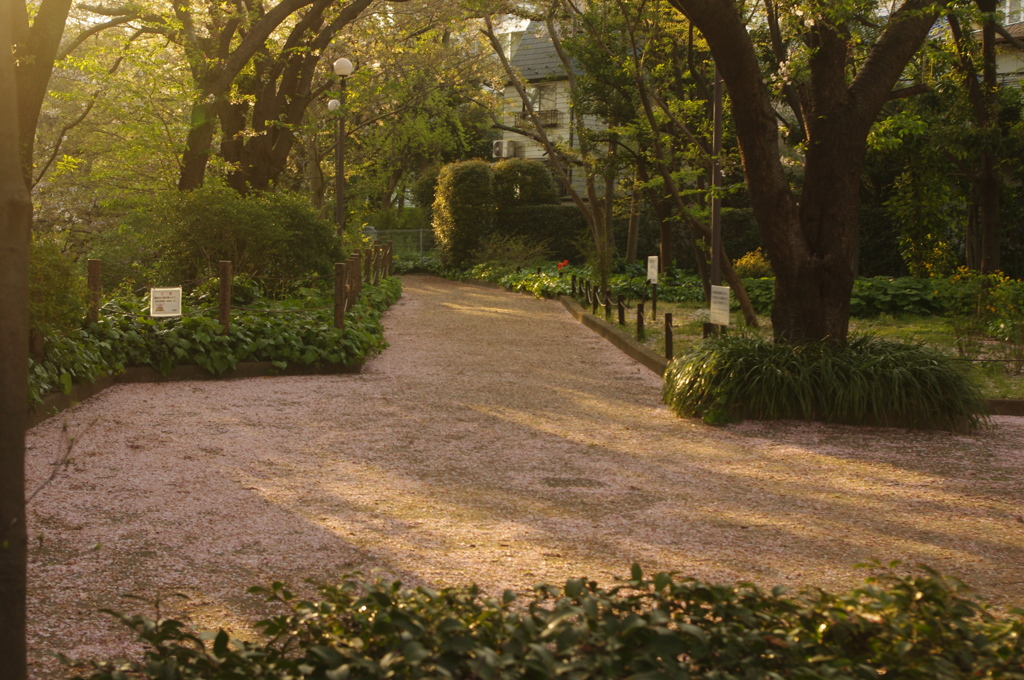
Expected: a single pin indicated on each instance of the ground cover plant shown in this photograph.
(298, 330)
(869, 381)
(917, 625)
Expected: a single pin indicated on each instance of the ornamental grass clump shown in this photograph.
(921, 625)
(870, 381)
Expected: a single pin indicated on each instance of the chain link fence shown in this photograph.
(409, 243)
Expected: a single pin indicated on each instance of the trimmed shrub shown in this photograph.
(463, 210)
(563, 227)
(424, 187)
(522, 181)
(868, 382)
(57, 292)
(923, 625)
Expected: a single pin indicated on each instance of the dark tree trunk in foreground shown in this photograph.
(811, 236)
(15, 224)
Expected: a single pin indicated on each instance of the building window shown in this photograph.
(1013, 11)
(541, 98)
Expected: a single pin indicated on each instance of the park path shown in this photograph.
(496, 441)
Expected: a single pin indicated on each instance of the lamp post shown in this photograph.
(343, 69)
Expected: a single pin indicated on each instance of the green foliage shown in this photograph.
(870, 297)
(868, 382)
(905, 295)
(922, 625)
(761, 293)
(298, 331)
(463, 210)
(522, 181)
(57, 291)
(562, 226)
(511, 250)
(753, 265)
(986, 306)
(424, 187)
(178, 238)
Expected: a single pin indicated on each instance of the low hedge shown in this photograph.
(922, 625)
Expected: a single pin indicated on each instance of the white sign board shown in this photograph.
(652, 268)
(165, 301)
(720, 305)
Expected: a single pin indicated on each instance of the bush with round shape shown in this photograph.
(522, 181)
(870, 381)
(463, 210)
(182, 236)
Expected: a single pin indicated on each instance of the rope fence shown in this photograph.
(589, 296)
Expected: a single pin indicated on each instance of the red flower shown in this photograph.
(563, 264)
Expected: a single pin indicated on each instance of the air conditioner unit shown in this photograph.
(503, 148)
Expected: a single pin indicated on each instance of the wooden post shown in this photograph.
(354, 278)
(607, 306)
(595, 301)
(225, 293)
(339, 294)
(574, 285)
(95, 291)
(622, 310)
(640, 320)
(654, 301)
(367, 265)
(668, 335)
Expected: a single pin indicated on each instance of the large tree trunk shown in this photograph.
(15, 226)
(810, 238)
(197, 147)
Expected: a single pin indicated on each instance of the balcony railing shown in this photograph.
(547, 118)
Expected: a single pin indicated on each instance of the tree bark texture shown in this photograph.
(810, 237)
(256, 139)
(35, 48)
(15, 226)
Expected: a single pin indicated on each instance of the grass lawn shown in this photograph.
(997, 368)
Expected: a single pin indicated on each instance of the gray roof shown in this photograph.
(535, 57)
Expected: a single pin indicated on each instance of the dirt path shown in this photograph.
(496, 441)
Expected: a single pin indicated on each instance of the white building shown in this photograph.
(533, 56)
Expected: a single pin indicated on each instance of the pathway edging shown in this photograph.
(658, 363)
(56, 402)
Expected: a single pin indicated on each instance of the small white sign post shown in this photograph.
(720, 305)
(165, 301)
(652, 269)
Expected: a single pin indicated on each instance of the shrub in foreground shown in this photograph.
(868, 382)
(919, 626)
